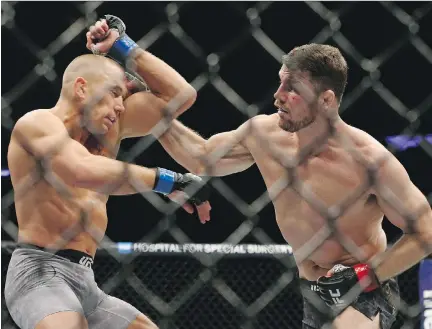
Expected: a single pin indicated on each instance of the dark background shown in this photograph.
(370, 31)
(33, 41)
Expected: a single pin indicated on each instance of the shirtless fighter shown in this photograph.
(63, 168)
(312, 82)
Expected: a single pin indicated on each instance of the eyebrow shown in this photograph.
(280, 76)
(122, 91)
(288, 81)
(290, 78)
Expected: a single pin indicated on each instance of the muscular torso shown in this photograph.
(327, 180)
(50, 214)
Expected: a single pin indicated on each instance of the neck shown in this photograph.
(314, 138)
(72, 119)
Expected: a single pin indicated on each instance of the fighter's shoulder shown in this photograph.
(371, 150)
(38, 122)
(257, 124)
(261, 121)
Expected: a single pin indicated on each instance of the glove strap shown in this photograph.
(364, 271)
(122, 48)
(165, 180)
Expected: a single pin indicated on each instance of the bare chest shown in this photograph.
(326, 180)
(306, 196)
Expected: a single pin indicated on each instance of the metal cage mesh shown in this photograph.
(250, 292)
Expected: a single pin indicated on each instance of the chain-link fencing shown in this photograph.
(410, 118)
(248, 288)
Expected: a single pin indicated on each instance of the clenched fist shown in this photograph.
(100, 37)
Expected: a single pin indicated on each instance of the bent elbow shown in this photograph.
(209, 170)
(198, 170)
(426, 238)
(186, 97)
(190, 95)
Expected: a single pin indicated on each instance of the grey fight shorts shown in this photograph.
(39, 283)
(381, 301)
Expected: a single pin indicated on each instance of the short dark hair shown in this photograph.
(325, 65)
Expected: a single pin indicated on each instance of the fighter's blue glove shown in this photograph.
(168, 181)
(123, 46)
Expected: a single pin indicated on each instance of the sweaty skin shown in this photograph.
(44, 214)
(330, 176)
(80, 172)
(333, 174)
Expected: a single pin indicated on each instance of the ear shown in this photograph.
(80, 88)
(327, 99)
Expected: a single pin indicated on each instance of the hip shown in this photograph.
(31, 267)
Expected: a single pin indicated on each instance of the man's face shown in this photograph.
(296, 100)
(105, 100)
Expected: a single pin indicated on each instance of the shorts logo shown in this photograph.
(86, 261)
(336, 297)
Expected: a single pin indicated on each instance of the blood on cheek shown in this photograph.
(294, 99)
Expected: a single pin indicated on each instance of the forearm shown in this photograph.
(405, 253)
(161, 78)
(220, 155)
(114, 177)
(184, 145)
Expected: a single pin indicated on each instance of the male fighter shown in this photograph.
(63, 168)
(330, 159)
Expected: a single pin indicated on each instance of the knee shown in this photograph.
(142, 322)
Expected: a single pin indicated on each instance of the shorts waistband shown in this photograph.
(313, 286)
(75, 256)
(310, 285)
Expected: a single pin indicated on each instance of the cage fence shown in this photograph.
(222, 286)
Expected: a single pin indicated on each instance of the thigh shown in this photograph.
(35, 307)
(64, 320)
(370, 310)
(142, 322)
(112, 313)
(351, 318)
(313, 318)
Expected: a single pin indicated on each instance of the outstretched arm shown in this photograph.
(68, 163)
(220, 155)
(402, 202)
(169, 91)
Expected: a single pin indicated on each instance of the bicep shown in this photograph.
(144, 110)
(69, 161)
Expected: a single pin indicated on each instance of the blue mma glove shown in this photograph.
(123, 46)
(168, 181)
